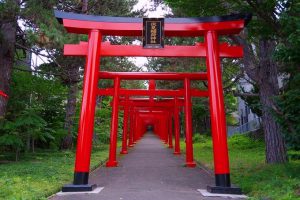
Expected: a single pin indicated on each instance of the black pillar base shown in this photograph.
(78, 188)
(81, 178)
(223, 185)
(222, 180)
(224, 190)
(80, 183)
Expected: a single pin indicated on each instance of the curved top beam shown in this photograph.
(128, 26)
(96, 18)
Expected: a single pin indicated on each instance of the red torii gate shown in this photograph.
(97, 26)
(172, 105)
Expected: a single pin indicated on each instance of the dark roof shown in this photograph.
(69, 15)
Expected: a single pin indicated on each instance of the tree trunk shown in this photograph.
(7, 52)
(264, 71)
(28, 138)
(268, 89)
(84, 6)
(17, 154)
(72, 79)
(70, 113)
(33, 149)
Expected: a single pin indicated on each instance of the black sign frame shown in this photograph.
(153, 33)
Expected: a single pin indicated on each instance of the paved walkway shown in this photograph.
(149, 172)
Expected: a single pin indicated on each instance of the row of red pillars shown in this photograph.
(140, 113)
(210, 28)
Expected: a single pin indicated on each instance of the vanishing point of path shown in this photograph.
(149, 171)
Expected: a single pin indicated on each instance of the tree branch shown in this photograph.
(249, 60)
(237, 94)
(36, 71)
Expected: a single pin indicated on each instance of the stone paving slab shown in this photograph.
(149, 172)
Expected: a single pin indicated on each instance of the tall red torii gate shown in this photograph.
(208, 27)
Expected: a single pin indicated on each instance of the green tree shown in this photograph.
(264, 33)
(42, 34)
(8, 31)
(33, 113)
(287, 54)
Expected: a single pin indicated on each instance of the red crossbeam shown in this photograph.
(153, 75)
(198, 50)
(141, 92)
(155, 104)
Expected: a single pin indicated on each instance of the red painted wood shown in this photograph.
(125, 127)
(153, 75)
(171, 30)
(112, 159)
(86, 120)
(188, 125)
(142, 92)
(198, 50)
(176, 128)
(216, 100)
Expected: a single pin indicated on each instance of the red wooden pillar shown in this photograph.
(152, 86)
(159, 128)
(87, 115)
(138, 128)
(170, 123)
(131, 129)
(125, 127)
(217, 111)
(135, 127)
(165, 128)
(177, 128)
(112, 159)
(142, 128)
(162, 129)
(188, 124)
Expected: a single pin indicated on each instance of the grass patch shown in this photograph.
(249, 170)
(38, 175)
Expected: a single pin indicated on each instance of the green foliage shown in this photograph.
(272, 20)
(103, 120)
(197, 137)
(250, 172)
(35, 111)
(288, 115)
(39, 175)
(244, 142)
(11, 140)
(289, 47)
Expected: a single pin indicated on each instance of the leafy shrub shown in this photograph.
(239, 141)
(200, 138)
(288, 114)
(34, 115)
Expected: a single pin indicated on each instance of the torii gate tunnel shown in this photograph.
(159, 113)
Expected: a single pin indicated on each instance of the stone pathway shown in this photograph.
(149, 172)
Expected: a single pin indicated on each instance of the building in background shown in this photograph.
(247, 120)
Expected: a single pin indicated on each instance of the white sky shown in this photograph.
(160, 11)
